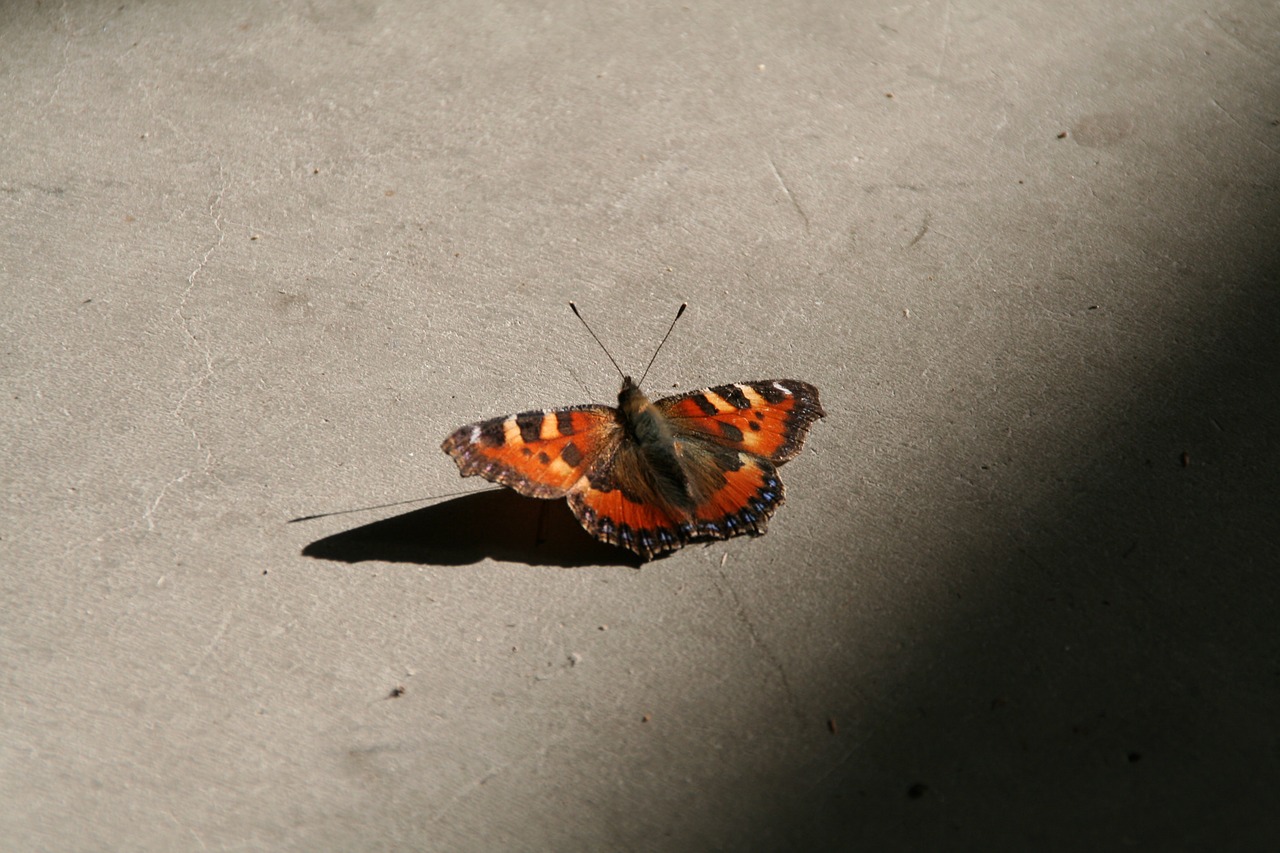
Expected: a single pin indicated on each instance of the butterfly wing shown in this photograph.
(738, 494)
(619, 502)
(768, 419)
(540, 454)
(728, 440)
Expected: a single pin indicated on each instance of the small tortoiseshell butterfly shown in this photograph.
(652, 475)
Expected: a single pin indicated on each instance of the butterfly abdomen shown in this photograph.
(655, 443)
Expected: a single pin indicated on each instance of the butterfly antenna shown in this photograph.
(593, 334)
(683, 305)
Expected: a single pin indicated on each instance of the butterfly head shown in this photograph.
(631, 400)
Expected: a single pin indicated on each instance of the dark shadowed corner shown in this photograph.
(1114, 681)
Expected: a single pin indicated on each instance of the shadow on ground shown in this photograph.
(500, 525)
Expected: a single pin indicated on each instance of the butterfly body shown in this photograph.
(652, 476)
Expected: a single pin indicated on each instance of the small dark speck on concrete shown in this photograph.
(917, 790)
(1062, 135)
(396, 692)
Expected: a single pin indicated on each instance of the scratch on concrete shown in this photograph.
(465, 790)
(1237, 123)
(758, 642)
(924, 229)
(946, 44)
(1229, 33)
(790, 195)
(180, 825)
(212, 644)
(494, 770)
(65, 21)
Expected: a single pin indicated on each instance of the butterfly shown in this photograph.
(652, 475)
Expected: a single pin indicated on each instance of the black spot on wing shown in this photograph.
(492, 434)
(732, 395)
(564, 422)
(730, 431)
(703, 404)
(544, 458)
(571, 455)
(530, 424)
(770, 391)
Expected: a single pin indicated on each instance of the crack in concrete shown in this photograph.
(186, 321)
(791, 196)
(149, 513)
(66, 54)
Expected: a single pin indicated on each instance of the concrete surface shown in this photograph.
(258, 259)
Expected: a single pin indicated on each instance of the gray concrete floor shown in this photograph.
(258, 259)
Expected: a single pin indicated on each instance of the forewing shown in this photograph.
(540, 454)
(769, 419)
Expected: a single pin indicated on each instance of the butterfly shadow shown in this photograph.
(500, 525)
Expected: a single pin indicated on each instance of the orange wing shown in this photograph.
(740, 492)
(540, 454)
(728, 440)
(769, 419)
